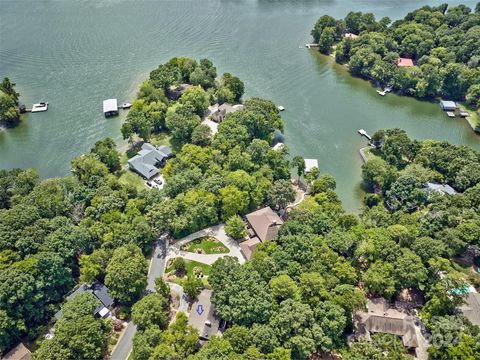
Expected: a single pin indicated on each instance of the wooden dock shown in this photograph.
(309, 46)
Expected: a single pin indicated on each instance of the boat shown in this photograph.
(126, 106)
(41, 106)
(364, 133)
(281, 108)
(381, 93)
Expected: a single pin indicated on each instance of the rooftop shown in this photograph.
(247, 247)
(148, 158)
(471, 308)
(443, 188)
(380, 318)
(19, 352)
(203, 317)
(310, 164)
(110, 105)
(265, 222)
(405, 62)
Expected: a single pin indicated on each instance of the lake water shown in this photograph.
(76, 53)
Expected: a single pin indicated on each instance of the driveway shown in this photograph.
(122, 350)
(217, 231)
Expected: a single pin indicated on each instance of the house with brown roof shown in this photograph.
(265, 223)
(380, 318)
(19, 352)
(262, 225)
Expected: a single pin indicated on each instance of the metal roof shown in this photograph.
(110, 105)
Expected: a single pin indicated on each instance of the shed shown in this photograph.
(310, 164)
(110, 107)
(404, 62)
(447, 105)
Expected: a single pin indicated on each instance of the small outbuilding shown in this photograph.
(404, 62)
(110, 107)
(447, 105)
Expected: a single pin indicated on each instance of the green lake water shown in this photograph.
(76, 53)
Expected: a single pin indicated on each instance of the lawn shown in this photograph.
(160, 139)
(191, 267)
(129, 177)
(206, 245)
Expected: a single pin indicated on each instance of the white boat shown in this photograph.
(381, 93)
(281, 108)
(126, 106)
(41, 106)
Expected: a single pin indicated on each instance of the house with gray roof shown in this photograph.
(100, 291)
(148, 159)
(203, 316)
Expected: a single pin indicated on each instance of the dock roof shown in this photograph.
(110, 105)
(448, 105)
(310, 164)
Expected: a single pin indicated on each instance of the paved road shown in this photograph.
(156, 269)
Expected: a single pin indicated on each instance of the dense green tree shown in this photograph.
(235, 227)
(126, 275)
(233, 284)
(299, 163)
(8, 88)
(201, 135)
(196, 98)
(9, 113)
(283, 288)
(234, 84)
(107, 153)
(150, 311)
(281, 194)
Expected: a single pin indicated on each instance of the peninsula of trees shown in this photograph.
(441, 45)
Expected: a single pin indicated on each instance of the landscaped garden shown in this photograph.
(179, 269)
(206, 245)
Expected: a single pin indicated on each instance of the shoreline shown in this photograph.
(372, 84)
